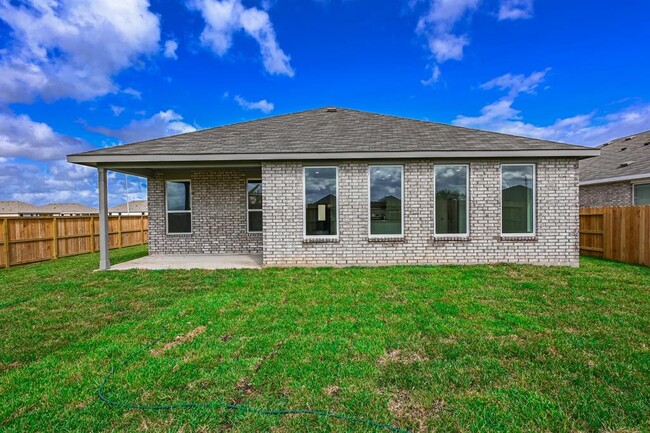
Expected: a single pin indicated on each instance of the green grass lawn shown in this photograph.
(480, 348)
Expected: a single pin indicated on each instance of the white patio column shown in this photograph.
(104, 260)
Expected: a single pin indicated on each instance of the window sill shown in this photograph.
(517, 238)
(386, 239)
(180, 234)
(454, 238)
(321, 240)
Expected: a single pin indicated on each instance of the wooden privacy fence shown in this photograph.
(35, 239)
(616, 233)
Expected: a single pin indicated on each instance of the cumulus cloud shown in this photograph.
(72, 48)
(223, 18)
(161, 124)
(170, 49)
(263, 105)
(515, 9)
(586, 128)
(438, 27)
(435, 76)
(21, 137)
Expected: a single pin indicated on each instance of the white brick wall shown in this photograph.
(218, 216)
(555, 243)
(608, 194)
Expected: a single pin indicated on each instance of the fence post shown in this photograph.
(5, 245)
(92, 234)
(55, 238)
(141, 229)
(119, 231)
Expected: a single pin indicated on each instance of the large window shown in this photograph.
(254, 205)
(518, 199)
(386, 200)
(642, 194)
(179, 206)
(451, 186)
(321, 201)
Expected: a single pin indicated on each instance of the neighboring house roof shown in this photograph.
(623, 159)
(17, 207)
(134, 206)
(66, 208)
(328, 133)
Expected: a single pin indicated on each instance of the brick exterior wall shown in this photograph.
(555, 243)
(218, 215)
(607, 194)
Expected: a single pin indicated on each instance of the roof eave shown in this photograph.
(628, 178)
(95, 159)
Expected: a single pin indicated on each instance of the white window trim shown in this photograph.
(401, 235)
(304, 204)
(519, 235)
(634, 185)
(467, 206)
(248, 211)
(167, 211)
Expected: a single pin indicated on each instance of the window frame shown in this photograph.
(248, 210)
(634, 185)
(518, 235)
(382, 236)
(304, 203)
(467, 205)
(167, 211)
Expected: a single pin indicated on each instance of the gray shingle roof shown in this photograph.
(134, 206)
(627, 156)
(66, 208)
(322, 131)
(17, 207)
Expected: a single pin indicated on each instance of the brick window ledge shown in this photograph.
(386, 239)
(503, 238)
(439, 238)
(319, 240)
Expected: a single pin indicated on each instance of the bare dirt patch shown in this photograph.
(405, 409)
(401, 357)
(178, 340)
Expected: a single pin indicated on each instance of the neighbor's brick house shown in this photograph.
(344, 187)
(620, 176)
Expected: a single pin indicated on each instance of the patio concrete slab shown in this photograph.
(193, 261)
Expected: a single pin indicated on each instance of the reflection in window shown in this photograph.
(386, 200)
(320, 201)
(179, 209)
(254, 205)
(451, 199)
(517, 192)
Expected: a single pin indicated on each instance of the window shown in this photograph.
(179, 207)
(254, 205)
(386, 200)
(518, 199)
(642, 194)
(321, 201)
(451, 187)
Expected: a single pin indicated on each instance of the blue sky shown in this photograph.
(77, 75)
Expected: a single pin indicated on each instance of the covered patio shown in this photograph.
(193, 261)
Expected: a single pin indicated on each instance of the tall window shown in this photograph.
(518, 198)
(321, 201)
(386, 205)
(254, 205)
(451, 186)
(179, 206)
(642, 194)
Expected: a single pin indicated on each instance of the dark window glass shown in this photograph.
(642, 194)
(255, 221)
(179, 222)
(518, 208)
(385, 200)
(320, 201)
(254, 204)
(451, 199)
(179, 206)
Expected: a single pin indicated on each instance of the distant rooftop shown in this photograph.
(621, 158)
(134, 206)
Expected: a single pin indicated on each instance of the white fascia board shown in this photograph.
(631, 177)
(98, 159)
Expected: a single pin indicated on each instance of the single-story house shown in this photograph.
(335, 186)
(133, 207)
(620, 176)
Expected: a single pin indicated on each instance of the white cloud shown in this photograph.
(132, 92)
(225, 17)
(435, 76)
(170, 49)
(21, 137)
(72, 48)
(160, 124)
(515, 9)
(117, 110)
(438, 25)
(263, 105)
(586, 128)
